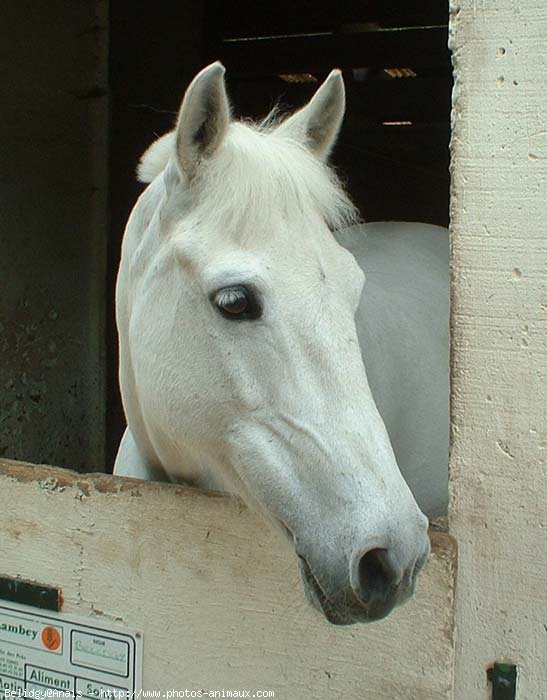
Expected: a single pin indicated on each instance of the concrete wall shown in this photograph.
(499, 341)
(53, 231)
(215, 593)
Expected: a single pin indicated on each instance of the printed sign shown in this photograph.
(56, 655)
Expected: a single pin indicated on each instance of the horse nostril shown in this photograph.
(378, 577)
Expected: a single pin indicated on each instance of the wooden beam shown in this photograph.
(414, 47)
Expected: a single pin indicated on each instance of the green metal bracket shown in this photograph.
(503, 677)
(30, 593)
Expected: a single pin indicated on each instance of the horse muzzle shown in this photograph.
(375, 586)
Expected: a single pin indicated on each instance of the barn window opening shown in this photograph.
(61, 402)
(393, 148)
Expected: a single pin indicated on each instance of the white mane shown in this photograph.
(154, 160)
(255, 172)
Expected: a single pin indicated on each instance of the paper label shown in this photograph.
(48, 655)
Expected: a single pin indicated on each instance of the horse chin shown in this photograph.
(335, 614)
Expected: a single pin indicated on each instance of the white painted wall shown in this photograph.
(499, 341)
(216, 594)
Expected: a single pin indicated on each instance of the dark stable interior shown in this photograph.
(393, 150)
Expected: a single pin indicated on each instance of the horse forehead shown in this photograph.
(272, 245)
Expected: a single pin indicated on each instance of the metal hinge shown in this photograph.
(503, 676)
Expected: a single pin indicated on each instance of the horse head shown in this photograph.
(241, 367)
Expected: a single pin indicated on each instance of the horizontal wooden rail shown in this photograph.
(247, 18)
(409, 47)
(424, 100)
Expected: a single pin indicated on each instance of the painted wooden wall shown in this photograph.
(499, 341)
(215, 593)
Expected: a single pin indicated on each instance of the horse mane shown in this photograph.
(154, 160)
(256, 172)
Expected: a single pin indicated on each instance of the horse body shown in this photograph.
(243, 326)
(402, 324)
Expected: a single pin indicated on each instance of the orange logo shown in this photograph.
(51, 638)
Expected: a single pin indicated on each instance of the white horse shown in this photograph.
(242, 321)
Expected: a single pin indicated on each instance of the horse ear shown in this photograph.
(317, 124)
(203, 119)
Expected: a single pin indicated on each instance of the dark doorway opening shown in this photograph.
(393, 150)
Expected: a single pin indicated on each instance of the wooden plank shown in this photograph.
(215, 593)
(250, 19)
(498, 463)
(422, 101)
(412, 47)
(419, 13)
(247, 18)
(375, 101)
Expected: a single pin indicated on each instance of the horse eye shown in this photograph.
(236, 303)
